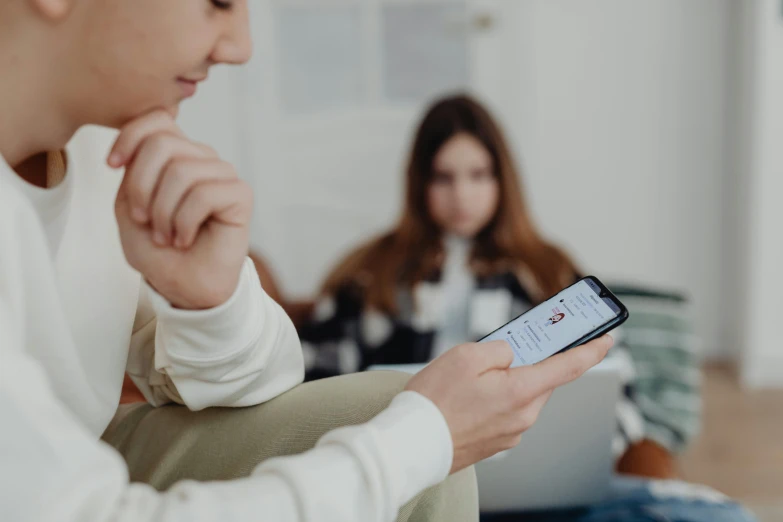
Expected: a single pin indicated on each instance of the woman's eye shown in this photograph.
(441, 178)
(480, 175)
(222, 4)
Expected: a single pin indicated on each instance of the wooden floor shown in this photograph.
(740, 451)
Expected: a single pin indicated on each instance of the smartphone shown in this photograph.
(577, 314)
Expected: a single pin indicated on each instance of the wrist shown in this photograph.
(183, 295)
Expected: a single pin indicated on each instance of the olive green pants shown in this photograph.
(168, 444)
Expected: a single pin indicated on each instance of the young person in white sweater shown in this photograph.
(144, 270)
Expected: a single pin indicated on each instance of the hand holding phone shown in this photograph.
(490, 395)
(487, 405)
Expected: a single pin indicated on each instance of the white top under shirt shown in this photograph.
(74, 317)
(457, 283)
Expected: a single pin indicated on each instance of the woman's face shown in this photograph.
(127, 57)
(464, 191)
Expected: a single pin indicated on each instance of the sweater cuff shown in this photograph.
(216, 333)
(414, 442)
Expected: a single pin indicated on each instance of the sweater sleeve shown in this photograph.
(241, 353)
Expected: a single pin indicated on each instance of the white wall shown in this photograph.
(214, 116)
(617, 108)
(621, 123)
(760, 169)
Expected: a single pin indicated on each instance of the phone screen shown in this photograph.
(556, 323)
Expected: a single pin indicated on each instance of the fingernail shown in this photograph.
(115, 160)
(158, 238)
(138, 214)
(179, 242)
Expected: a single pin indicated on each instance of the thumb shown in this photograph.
(564, 367)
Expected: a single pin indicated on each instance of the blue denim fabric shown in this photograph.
(639, 500)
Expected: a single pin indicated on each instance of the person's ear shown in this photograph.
(53, 9)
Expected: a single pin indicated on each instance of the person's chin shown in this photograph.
(465, 231)
(121, 121)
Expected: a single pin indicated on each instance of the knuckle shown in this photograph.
(522, 421)
(207, 149)
(227, 172)
(529, 418)
(200, 196)
(131, 135)
(231, 171)
(461, 351)
(246, 192)
(178, 172)
(159, 142)
(511, 442)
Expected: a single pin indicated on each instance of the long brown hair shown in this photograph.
(413, 250)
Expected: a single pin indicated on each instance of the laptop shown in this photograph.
(565, 460)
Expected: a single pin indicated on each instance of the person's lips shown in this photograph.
(189, 86)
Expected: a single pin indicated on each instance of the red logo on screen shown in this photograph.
(556, 318)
